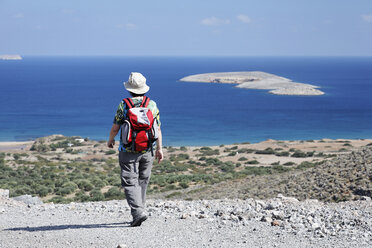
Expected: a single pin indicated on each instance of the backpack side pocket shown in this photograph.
(126, 132)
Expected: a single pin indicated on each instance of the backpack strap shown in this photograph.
(128, 102)
(145, 102)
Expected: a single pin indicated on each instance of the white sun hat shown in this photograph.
(136, 83)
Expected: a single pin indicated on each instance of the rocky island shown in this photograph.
(257, 80)
(10, 57)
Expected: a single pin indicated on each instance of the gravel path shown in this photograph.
(278, 222)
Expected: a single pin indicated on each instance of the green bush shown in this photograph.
(305, 165)
(114, 193)
(96, 195)
(252, 162)
(268, 150)
(182, 148)
(110, 152)
(85, 185)
(282, 154)
(246, 150)
(66, 188)
(231, 154)
(179, 157)
(184, 185)
(300, 154)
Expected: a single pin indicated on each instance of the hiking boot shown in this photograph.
(138, 221)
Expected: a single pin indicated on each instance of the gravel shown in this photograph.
(277, 222)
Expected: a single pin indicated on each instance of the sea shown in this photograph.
(78, 96)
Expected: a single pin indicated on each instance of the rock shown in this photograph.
(28, 199)
(275, 223)
(315, 226)
(288, 199)
(277, 215)
(266, 219)
(122, 246)
(4, 193)
(184, 216)
(219, 213)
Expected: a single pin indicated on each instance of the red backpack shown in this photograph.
(140, 129)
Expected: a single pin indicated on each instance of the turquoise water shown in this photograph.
(79, 95)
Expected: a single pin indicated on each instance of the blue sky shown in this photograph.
(187, 27)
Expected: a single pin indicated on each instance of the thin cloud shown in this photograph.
(244, 18)
(367, 18)
(127, 26)
(213, 21)
(18, 15)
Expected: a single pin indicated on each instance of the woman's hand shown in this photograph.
(159, 155)
(111, 143)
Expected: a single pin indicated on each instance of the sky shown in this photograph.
(186, 27)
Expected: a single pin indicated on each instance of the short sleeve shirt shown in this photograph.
(121, 115)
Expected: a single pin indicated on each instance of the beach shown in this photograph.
(14, 145)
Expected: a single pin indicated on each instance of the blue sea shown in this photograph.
(41, 96)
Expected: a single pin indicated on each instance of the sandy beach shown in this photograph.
(14, 145)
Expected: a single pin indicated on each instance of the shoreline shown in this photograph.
(22, 145)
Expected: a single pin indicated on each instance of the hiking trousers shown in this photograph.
(135, 176)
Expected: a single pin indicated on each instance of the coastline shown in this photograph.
(25, 145)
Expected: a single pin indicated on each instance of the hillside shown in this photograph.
(201, 196)
(62, 169)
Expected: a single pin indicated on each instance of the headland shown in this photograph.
(257, 80)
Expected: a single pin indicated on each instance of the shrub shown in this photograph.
(213, 161)
(60, 199)
(252, 162)
(246, 150)
(85, 185)
(305, 165)
(289, 163)
(231, 154)
(179, 157)
(184, 185)
(173, 194)
(282, 154)
(268, 150)
(66, 188)
(207, 151)
(227, 167)
(110, 152)
(96, 195)
(42, 190)
(300, 154)
(183, 148)
(114, 193)
(242, 159)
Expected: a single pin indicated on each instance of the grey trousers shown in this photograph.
(135, 177)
